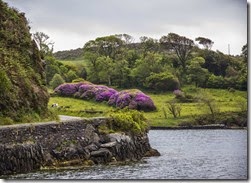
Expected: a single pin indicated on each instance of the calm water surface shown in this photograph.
(185, 154)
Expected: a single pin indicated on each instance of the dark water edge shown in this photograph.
(185, 154)
(198, 127)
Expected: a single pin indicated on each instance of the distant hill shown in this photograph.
(75, 54)
(69, 54)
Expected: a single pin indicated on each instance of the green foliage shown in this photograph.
(164, 81)
(164, 112)
(174, 108)
(181, 45)
(107, 46)
(207, 43)
(45, 46)
(151, 63)
(242, 104)
(207, 99)
(6, 121)
(196, 73)
(78, 80)
(148, 45)
(186, 98)
(229, 119)
(56, 81)
(71, 75)
(69, 54)
(5, 83)
(105, 70)
(68, 72)
(22, 76)
(215, 81)
(128, 121)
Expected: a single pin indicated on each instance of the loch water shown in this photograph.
(185, 154)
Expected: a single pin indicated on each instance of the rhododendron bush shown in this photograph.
(133, 99)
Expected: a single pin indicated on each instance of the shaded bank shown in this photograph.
(29, 147)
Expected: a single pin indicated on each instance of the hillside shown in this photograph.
(22, 77)
(69, 54)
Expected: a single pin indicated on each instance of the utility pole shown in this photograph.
(228, 49)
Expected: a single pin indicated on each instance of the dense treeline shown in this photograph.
(161, 65)
(69, 54)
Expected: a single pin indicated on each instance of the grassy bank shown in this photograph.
(226, 101)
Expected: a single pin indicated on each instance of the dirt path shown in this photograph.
(63, 118)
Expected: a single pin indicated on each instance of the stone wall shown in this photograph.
(28, 147)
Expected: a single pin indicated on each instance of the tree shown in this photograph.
(149, 45)
(71, 75)
(125, 37)
(104, 46)
(196, 73)
(181, 45)
(207, 43)
(244, 52)
(52, 68)
(121, 73)
(145, 66)
(56, 81)
(105, 66)
(215, 62)
(44, 44)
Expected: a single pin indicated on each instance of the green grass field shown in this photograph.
(224, 100)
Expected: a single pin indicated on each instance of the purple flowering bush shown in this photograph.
(85, 87)
(144, 102)
(85, 90)
(67, 89)
(178, 93)
(133, 99)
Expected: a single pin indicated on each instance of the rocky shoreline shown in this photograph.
(31, 147)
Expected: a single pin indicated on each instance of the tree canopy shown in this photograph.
(207, 43)
(181, 45)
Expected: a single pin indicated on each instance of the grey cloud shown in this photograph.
(137, 17)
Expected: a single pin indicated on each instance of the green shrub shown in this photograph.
(6, 121)
(164, 81)
(183, 97)
(210, 103)
(78, 80)
(56, 81)
(128, 121)
(216, 82)
(174, 108)
(71, 75)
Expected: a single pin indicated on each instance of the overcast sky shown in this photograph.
(71, 23)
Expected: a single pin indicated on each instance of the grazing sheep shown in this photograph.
(54, 105)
